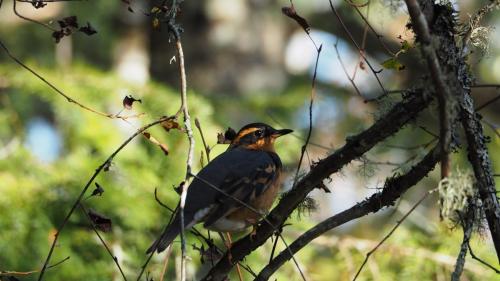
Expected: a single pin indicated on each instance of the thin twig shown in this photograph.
(115, 259)
(85, 188)
(488, 103)
(346, 30)
(205, 146)
(379, 37)
(496, 86)
(497, 271)
(392, 231)
(68, 98)
(189, 132)
(310, 128)
(5, 273)
(345, 70)
(165, 262)
(14, 8)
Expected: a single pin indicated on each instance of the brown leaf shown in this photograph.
(58, 35)
(70, 21)
(228, 136)
(153, 140)
(128, 101)
(170, 124)
(101, 222)
(98, 191)
(178, 189)
(88, 29)
(291, 13)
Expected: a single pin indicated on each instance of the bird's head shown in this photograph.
(258, 136)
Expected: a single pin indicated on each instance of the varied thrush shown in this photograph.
(248, 171)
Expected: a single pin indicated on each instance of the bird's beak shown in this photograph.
(279, 133)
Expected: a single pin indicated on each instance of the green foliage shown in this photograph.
(46, 191)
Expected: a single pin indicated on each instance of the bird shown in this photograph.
(248, 172)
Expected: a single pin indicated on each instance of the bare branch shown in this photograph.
(115, 259)
(68, 98)
(497, 271)
(189, 132)
(7, 272)
(361, 52)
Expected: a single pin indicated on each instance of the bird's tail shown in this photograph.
(166, 238)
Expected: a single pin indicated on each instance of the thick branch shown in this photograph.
(393, 189)
(355, 146)
(480, 160)
(457, 74)
(445, 99)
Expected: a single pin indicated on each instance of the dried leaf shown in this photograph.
(393, 63)
(291, 13)
(101, 222)
(128, 101)
(58, 35)
(70, 21)
(178, 189)
(170, 124)
(152, 139)
(38, 4)
(88, 29)
(228, 136)
(98, 191)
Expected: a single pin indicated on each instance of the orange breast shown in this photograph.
(262, 203)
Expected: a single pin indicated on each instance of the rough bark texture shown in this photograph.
(355, 146)
(441, 20)
(393, 189)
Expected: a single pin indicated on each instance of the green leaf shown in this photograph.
(393, 63)
(405, 46)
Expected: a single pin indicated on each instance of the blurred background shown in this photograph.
(245, 62)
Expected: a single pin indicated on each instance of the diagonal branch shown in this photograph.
(355, 146)
(393, 189)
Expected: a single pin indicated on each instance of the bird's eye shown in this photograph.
(259, 133)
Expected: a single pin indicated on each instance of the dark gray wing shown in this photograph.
(240, 173)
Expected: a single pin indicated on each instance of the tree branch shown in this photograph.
(355, 146)
(393, 189)
(445, 99)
